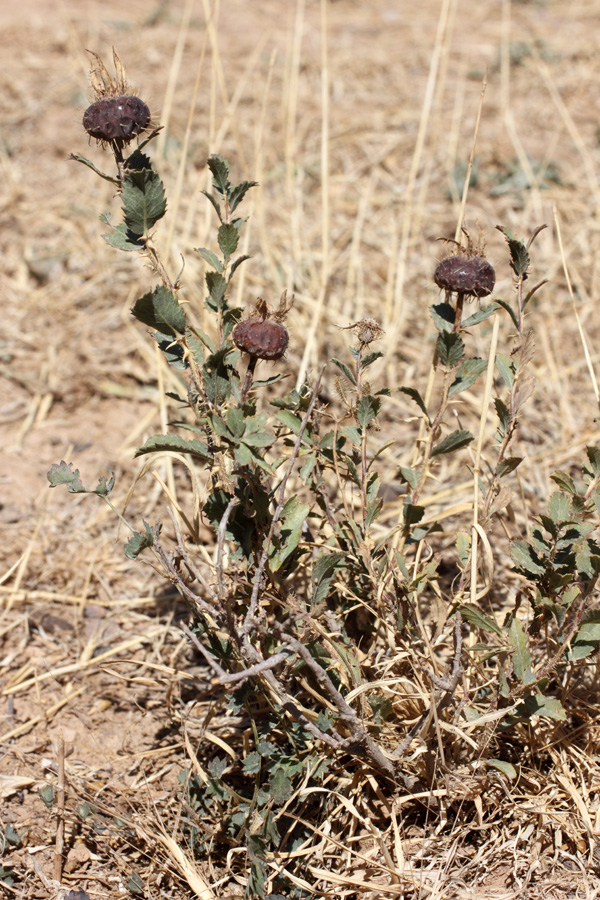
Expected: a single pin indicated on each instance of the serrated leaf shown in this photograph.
(450, 349)
(235, 421)
(144, 200)
(290, 420)
(564, 481)
(413, 514)
(124, 239)
(524, 558)
(559, 508)
(593, 454)
(323, 572)
(480, 316)
(415, 395)
(211, 258)
(476, 617)
(506, 367)
(373, 510)
(161, 311)
(352, 433)
(228, 237)
(237, 193)
(451, 442)
(62, 473)
(443, 316)
(367, 409)
(503, 413)
(215, 203)
(587, 639)
(216, 288)
(219, 169)
(505, 767)
(467, 375)
(139, 541)
(521, 656)
(176, 444)
(370, 358)
(519, 257)
(252, 763)
(508, 465)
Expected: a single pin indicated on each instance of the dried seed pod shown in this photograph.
(472, 276)
(262, 338)
(116, 118)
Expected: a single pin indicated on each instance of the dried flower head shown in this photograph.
(366, 330)
(466, 272)
(117, 116)
(264, 336)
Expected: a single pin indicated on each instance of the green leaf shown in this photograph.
(86, 162)
(373, 510)
(467, 375)
(559, 508)
(483, 313)
(61, 473)
(47, 795)
(413, 514)
(410, 476)
(415, 395)
(510, 311)
(252, 763)
(216, 288)
(506, 367)
(443, 315)
(519, 257)
(503, 414)
(587, 639)
(539, 705)
(521, 656)
(293, 516)
(451, 442)
(259, 439)
(593, 454)
(144, 200)
(564, 481)
(124, 239)
(508, 465)
(235, 421)
(215, 204)
(160, 311)
(524, 558)
(228, 237)
(323, 572)
(280, 786)
(139, 541)
(211, 258)
(290, 420)
(505, 767)
(474, 616)
(219, 168)
(450, 349)
(237, 193)
(345, 369)
(370, 358)
(162, 442)
(237, 262)
(367, 409)
(352, 433)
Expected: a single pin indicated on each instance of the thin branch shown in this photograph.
(263, 666)
(207, 656)
(221, 543)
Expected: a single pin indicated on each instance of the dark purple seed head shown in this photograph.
(262, 338)
(116, 118)
(469, 275)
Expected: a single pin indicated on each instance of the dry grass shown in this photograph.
(357, 144)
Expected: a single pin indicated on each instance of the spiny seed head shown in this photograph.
(472, 276)
(116, 118)
(262, 338)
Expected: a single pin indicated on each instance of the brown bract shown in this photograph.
(473, 276)
(262, 338)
